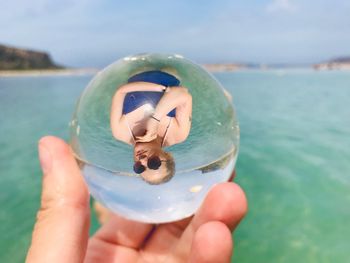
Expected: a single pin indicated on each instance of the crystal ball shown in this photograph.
(152, 134)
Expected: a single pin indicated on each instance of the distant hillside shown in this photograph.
(12, 58)
(341, 60)
(336, 63)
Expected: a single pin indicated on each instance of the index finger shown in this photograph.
(225, 203)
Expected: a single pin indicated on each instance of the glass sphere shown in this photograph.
(152, 134)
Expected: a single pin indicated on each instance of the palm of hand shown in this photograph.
(205, 237)
(137, 242)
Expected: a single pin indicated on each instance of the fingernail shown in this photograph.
(45, 158)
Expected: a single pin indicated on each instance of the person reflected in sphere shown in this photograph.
(152, 111)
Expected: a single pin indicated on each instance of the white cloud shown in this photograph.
(281, 6)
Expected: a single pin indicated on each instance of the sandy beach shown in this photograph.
(48, 72)
(90, 71)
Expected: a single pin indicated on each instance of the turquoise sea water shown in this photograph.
(293, 161)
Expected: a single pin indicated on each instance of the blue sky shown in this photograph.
(87, 33)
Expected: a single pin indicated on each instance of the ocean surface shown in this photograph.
(294, 160)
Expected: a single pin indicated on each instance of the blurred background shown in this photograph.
(286, 63)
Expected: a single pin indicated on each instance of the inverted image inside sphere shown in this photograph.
(154, 120)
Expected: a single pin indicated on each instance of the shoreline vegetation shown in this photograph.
(19, 62)
(13, 58)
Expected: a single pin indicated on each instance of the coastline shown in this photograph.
(91, 71)
(217, 68)
(333, 66)
(48, 72)
(223, 67)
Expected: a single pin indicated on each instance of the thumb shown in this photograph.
(61, 230)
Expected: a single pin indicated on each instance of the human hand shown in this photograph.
(61, 231)
(151, 131)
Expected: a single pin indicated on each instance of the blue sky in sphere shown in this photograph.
(86, 33)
